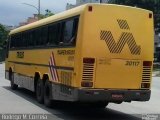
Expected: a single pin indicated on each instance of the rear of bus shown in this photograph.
(116, 54)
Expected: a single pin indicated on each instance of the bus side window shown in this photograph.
(70, 32)
(7, 46)
(29, 39)
(75, 30)
(16, 41)
(33, 38)
(38, 37)
(44, 36)
(22, 36)
(11, 41)
(53, 34)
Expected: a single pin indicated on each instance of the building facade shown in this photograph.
(29, 20)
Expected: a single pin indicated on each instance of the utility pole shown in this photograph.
(37, 8)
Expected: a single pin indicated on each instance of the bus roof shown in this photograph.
(54, 18)
(63, 15)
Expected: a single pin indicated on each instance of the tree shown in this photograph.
(3, 35)
(153, 5)
(48, 13)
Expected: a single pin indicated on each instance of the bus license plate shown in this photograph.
(117, 96)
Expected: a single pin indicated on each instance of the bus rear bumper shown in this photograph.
(113, 95)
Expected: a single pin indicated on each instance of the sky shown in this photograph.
(14, 11)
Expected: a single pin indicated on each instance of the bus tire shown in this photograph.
(40, 91)
(47, 94)
(13, 85)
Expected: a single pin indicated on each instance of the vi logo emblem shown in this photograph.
(125, 38)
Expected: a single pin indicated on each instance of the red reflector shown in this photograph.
(147, 63)
(86, 84)
(145, 85)
(89, 60)
(150, 15)
(90, 8)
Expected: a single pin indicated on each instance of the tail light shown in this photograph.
(147, 63)
(89, 60)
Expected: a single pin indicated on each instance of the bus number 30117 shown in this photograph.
(132, 63)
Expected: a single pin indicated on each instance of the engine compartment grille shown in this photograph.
(146, 77)
(88, 71)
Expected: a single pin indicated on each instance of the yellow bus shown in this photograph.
(94, 53)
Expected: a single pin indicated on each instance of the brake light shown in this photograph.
(89, 60)
(147, 63)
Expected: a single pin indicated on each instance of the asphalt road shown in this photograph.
(24, 102)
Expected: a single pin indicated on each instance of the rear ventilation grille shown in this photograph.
(123, 24)
(146, 77)
(88, 71)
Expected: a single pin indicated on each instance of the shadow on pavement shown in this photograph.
(71, 111)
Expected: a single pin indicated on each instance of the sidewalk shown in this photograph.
(156, 74)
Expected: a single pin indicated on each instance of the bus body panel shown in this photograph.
(40, 61)
(119, 39)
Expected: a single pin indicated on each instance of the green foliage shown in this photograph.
(3, 35)
(47, 14)
(153, 5)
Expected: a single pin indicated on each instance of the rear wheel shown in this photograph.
(11, 78)
(47, 94)
(40, 91)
